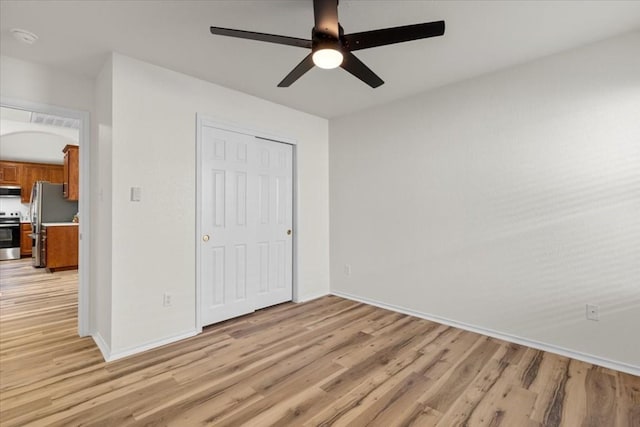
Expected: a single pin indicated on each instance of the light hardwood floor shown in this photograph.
(327, 362)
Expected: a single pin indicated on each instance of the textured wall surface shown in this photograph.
(154, 240)
(506, 202)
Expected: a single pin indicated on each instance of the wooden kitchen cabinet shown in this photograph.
(56, 174)
(71, 183)
(60, 246)
(25, 174)
(32, 172)
(26, 243)
(10, 173)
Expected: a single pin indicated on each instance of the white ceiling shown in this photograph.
(481, 36)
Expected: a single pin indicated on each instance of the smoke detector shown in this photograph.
(24, 36)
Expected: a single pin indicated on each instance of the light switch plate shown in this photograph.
(136, 194)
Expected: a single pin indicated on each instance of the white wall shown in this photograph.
(35, 144)
(8, 127)
(154, 142)
(38, 83)
(34, 147)
(506, 202)
(13, 204)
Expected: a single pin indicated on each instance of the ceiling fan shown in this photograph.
(331, 48)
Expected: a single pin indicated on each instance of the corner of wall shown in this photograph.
(508, 201)
(102, 346)
(101, 290)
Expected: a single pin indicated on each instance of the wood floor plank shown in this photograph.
(628, 400)
(395, 404)
(349, 402)
(443, 394)
(505, 404)
(330, 361)
(601, 401)
(464, 406)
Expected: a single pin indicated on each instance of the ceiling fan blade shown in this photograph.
(305, 65)
(271, 38)
(385, 36)
(361, 71)
(325, 13)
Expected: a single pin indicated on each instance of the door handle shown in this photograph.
(205, 238)
(288, 232)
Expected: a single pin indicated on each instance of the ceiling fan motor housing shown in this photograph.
(322, 40)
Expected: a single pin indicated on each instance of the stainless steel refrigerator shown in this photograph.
(47, 205)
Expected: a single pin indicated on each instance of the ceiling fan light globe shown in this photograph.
(327, 58)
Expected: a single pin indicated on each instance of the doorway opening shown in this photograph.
(61, 123)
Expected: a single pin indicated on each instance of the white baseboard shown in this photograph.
(109, 356)
(584, 357)
(102, 345)
(307, 298)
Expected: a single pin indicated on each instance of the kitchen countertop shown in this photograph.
(54, 224)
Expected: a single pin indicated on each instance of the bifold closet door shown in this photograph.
(246, 200)
(274, 223)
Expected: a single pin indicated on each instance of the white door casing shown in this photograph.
(245, 260)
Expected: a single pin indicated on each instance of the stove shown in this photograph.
(9, 235)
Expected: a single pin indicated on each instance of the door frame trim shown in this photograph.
(84, 205)
(204, 120)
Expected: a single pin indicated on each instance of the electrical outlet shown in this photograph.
(347, 269)
(593, 312)
(166, 300)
